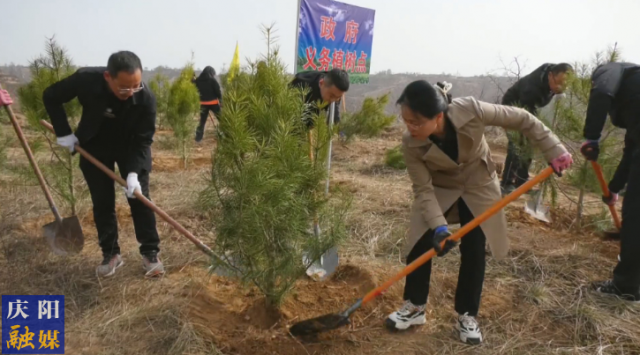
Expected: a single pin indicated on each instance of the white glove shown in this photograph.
(68, 142)
(133, 185)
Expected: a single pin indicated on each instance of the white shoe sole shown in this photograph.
(473, 341)
(406, 325)
(112, 271)
(152, 273)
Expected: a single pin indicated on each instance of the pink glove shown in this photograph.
(561, 163)
(5, 99)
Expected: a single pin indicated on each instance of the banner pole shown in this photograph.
(295, 49)
(331, 117)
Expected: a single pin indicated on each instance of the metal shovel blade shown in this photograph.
(327, 264)
(612, 234)
(537, 210)
(319, 324)
(64, 237)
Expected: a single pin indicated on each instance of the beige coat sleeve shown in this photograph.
(425, 198)
(518, 119)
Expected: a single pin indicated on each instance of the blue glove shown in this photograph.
(439, 234)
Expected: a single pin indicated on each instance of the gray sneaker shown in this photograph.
(109, 265)
(152, 265)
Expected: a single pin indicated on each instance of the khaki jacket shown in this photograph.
(438, 182)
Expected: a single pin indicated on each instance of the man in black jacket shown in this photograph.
(531, 92)
(325, 87)
(117, 127)
(615, 91)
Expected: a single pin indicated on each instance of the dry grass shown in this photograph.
(534, 302)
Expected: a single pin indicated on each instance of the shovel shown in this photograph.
(328, 262)
(605, 192)
(536, 209)
(333, 321)
(64, 235)
(140, 197)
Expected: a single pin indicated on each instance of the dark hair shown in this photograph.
(423, 98)
(560, 68)
(339, 78)
(207, 74)
(123, 61)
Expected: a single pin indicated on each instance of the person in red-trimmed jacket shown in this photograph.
(210, 98)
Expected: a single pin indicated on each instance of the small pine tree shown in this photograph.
(369, 122)
(160, 86)
(62, 173)
(265, 190)
(182, 106)
(395, 159)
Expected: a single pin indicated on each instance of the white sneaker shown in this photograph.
(469, 329)
(407, 316)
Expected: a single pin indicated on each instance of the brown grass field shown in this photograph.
(535, 302)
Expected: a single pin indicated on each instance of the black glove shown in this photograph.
(441, 233)
(590, 150)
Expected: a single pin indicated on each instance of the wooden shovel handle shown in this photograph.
(32, 161)
(606, 193)
(461, 232)
(139, 196)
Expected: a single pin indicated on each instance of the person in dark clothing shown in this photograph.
(210, 98)
(531, 92)
(325, 87)
(116, 127)
(616, 91)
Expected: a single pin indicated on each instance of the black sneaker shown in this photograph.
(609, 288)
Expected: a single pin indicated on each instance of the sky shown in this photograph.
(462, 37)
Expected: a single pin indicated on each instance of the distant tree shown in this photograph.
(62, 173)
(183, 106)
(369, 122)
(160, 85)
(395, 159)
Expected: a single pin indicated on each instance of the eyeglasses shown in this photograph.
(411, 125)
(126, 91)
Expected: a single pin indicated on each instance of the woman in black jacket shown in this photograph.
(210, 97)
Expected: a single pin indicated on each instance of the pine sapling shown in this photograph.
(182, 108)
(265, 190)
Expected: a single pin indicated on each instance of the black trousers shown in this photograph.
(204, 115)
(471, 274)
(102, 191)
(516, 168)
(626, 275)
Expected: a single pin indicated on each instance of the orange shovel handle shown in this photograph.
(461, 232)
(605, 192)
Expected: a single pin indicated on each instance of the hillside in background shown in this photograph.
(486, 88)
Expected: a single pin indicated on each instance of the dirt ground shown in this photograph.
(534, 302)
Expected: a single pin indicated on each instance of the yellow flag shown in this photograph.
(234, 68)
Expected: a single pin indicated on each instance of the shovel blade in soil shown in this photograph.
(66, 237)
(319, 324)
(538, 212)
(612, 234)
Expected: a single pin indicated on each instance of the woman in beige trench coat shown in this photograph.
(454, 179)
